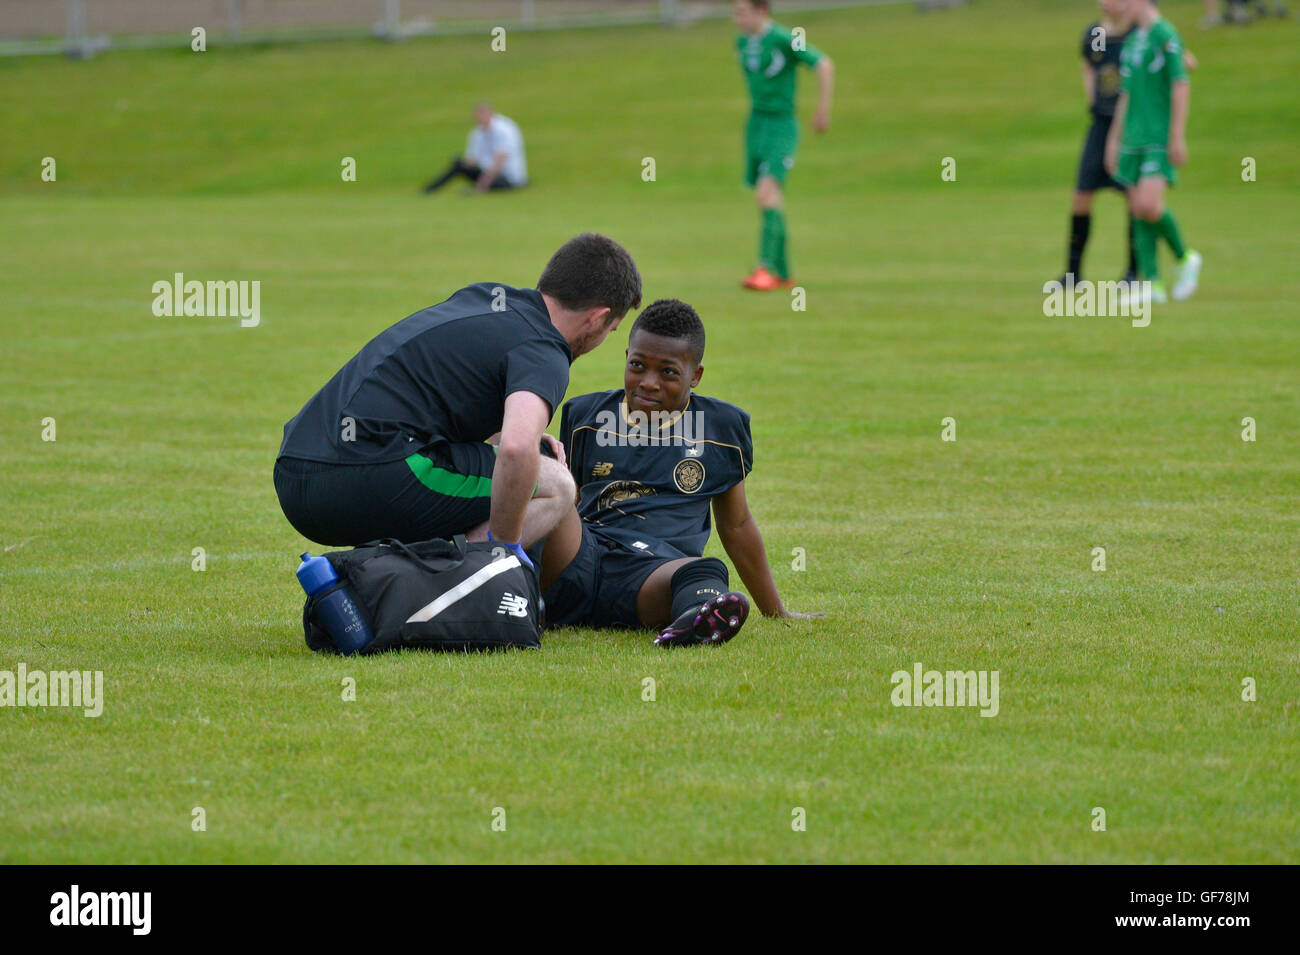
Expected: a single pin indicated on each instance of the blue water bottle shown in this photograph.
(338, 613)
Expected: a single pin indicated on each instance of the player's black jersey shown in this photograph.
(1105, 65)
(654, 476)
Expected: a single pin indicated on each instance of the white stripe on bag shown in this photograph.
(466, 586)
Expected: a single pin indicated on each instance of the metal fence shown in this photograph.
(81, 28)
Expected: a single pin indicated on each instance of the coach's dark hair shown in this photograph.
(592, 271)
(673, 318)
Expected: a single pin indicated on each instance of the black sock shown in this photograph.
(1080, 226)
(1132, 255)
(697, 582)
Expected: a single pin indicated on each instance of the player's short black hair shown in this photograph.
(592, 271)
(673, 318)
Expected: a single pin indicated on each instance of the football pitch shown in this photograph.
(1163, 689)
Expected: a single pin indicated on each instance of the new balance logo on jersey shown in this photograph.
(602, 469)
(513, 605)
(777, 64)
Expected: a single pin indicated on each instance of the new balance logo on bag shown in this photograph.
(515, 606)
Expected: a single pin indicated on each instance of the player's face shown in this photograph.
(659, 374)
(747, 16)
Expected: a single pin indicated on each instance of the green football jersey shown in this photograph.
(1150, 64)
(769, 61)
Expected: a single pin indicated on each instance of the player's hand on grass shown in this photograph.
(1177, 150)
(795, 615)
(821, 122)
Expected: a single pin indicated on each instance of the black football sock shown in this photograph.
(696, 582)
(1080, 226)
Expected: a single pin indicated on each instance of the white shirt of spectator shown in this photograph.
(502, 135)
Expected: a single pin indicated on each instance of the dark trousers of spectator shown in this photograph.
(459, 167)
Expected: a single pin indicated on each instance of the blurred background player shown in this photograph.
(1238, 11)
(494, 154)
(1147, 142)
(1102, 42)
(631, 553)
(769, 55)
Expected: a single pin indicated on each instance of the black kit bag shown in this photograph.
(435, 595)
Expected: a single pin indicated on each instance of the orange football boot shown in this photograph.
(764, 281)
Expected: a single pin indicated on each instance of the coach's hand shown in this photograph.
(516, 549)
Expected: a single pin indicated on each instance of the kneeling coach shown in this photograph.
(397, 443)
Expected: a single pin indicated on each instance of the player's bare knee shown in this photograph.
(1147, 210)
(768, 193)
(554, 481)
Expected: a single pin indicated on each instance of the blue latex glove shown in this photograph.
(516, 549)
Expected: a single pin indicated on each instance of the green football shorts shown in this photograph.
(1138, 162)
(770, 143)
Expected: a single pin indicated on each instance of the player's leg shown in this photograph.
(562, 545)
(689, 601)
(770, 148)
(773, 270)
(1090, 177)
(1147, 203)
(459, 167)
(1080, 227)
(771, 206)
(1156, 222)
(570, 573)
(1166, 227)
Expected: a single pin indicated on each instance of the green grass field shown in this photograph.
(1120, 689)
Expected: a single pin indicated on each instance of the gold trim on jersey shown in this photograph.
(654, 437)
(672, 420)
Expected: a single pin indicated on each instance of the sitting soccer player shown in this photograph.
(650, 459)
